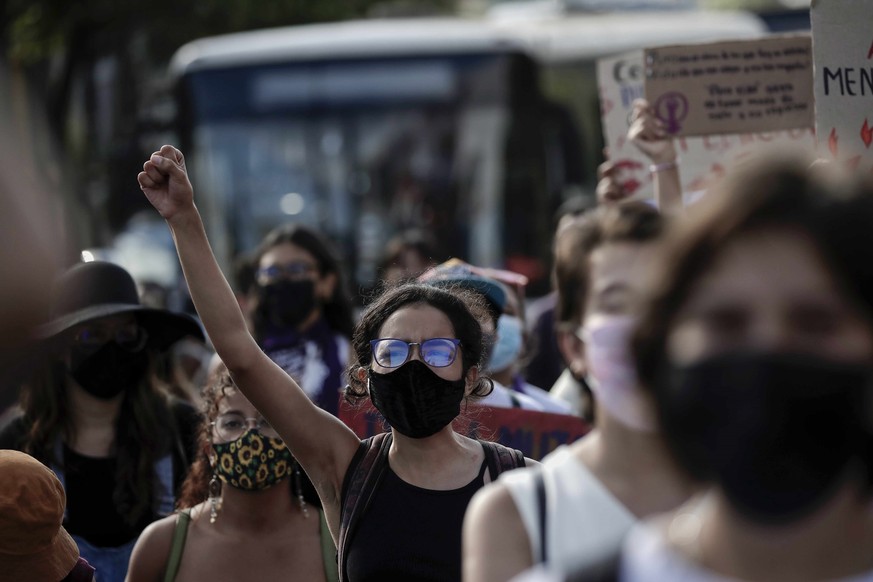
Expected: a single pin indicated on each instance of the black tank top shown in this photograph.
(410, 533)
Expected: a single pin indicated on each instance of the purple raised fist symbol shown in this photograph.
(672, 108)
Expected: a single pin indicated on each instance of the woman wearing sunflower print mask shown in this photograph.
(242, 513)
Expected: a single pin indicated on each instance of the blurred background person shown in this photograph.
(97, 415)
(647, 133)
(545, 363)
(457, 273)
(34, 235)
(34, 545)
(508, 356)
(186, 367)
(301, 315)
(242, 512)
(586, 496)
(571, 275)
(408, 255)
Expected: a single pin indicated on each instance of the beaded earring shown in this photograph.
(214, 494)
(298, 490)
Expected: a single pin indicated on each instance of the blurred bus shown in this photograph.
(471, 130)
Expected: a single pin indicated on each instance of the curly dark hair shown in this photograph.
(465, 309)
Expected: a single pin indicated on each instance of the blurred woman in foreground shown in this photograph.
(758, 349)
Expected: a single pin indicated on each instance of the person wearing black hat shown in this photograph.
(99, 418)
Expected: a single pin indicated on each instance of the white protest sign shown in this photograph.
(842, 35)
(732, 87)
(702, 159)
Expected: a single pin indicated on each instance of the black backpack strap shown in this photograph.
(500, 458)
(361, 479)
(540, 489)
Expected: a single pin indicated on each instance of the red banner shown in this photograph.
(534, 433)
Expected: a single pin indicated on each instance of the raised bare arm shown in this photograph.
(321, 442)
(647, 133)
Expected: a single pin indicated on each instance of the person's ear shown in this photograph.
(573, 351)
(471, 378)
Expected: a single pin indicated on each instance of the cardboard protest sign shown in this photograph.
(843, 49)
(732, 87)
(534, 433)
(621, 80)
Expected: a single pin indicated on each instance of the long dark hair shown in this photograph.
(464, 309)
(338, 309)
(141, 433)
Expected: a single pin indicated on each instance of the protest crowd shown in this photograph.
(708, 419)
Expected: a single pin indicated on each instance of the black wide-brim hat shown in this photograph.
(96, 289)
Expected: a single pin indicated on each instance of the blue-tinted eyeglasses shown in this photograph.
(438, 352)
(296, 270)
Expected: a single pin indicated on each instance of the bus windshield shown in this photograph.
(460, 146)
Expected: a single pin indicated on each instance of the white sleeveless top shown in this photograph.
(647, 557)
(584, 520)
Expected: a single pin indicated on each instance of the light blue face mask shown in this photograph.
(508, 346)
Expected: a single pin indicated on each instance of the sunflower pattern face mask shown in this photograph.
(253, 462)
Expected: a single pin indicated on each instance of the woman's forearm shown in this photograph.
(211, 293)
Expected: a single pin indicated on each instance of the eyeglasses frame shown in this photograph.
(455, 341)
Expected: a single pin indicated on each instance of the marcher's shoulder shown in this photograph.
(160, 532)
(152, 550)
(492, 507)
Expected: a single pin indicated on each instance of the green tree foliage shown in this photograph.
(96, 64)
(34, 30)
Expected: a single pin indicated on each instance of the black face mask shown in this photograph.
(414, 400)
(778, 432)
(110, 370)
(285, 303)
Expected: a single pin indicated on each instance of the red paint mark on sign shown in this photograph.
(630, 186)
(867, 134)
(833, 142)
(628, 164)
(870, 54)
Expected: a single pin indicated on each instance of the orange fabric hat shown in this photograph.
(34, 545)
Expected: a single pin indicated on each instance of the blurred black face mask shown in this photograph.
(285, 303)
(778, 432)
(414, 400)
(108, 371)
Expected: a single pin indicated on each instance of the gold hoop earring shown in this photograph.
(214, 495)
(298, 490)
